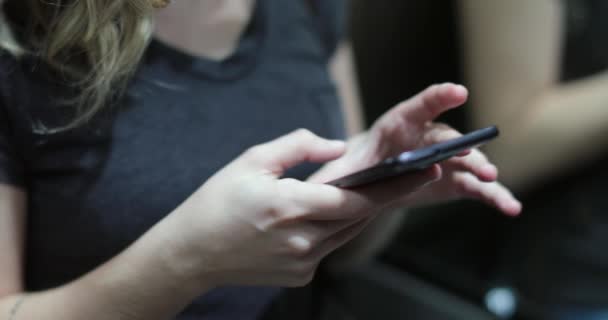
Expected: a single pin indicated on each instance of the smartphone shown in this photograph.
(416, 160)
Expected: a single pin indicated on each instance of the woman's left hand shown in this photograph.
(411, 125)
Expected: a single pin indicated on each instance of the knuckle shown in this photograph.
(299, 246)
(333, 198)
(304, 134)
(460, 163)
(462, 184)
(255, 152)
(303, 131)
(389, 128)
(448, 133)
(274, 213)
(286, 200)
(277, 211)
(442, 125)
(435, 94)
(286, 184)
(285, 189)
(281, 215)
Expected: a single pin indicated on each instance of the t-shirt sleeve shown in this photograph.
(11, 164)
(331, 15)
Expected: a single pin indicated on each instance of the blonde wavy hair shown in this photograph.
(98, 44)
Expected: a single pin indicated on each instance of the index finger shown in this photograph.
(440, 132)
(433, 101)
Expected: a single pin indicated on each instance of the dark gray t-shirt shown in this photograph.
(94, 190)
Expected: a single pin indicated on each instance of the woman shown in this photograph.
(150, 190)
(540, 70)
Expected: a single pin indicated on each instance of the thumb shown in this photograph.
(294, 148)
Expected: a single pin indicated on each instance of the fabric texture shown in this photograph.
(96, 189)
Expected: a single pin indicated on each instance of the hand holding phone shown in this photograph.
(416, 160)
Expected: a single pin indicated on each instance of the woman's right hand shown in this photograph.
(248, 226)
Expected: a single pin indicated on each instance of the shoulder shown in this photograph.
(27, 91)
(11, 77)
(331, 19)
(16, 72)
(9, 65)
(15, 83)
(11, 120)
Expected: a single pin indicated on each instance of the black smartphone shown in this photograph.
(418, 159)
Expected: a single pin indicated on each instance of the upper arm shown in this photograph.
(342, 69)
(12, 229)
(512, 55)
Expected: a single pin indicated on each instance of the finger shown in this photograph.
(385, 192)
(304, 237)
(492, 193)
(440, 132)
(476, 163)
(326, 202)
(366, 201)
(433, 101)
(314, 201)
(294, 148)
(339, 239)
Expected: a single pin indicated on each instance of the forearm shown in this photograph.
(513, 72)
(554, 134)
(141, 283)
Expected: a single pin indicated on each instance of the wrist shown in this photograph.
(182, 261)
(146, 281)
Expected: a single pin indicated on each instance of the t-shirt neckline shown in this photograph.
(240, 62)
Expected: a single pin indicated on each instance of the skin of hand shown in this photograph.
(248, 226)
(411, 125)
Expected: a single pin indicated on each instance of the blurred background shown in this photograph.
(537, 69)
